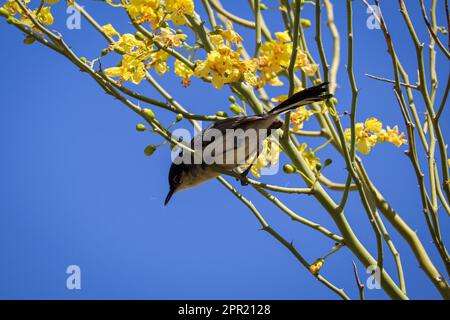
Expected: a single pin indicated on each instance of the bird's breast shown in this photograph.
(197, 174)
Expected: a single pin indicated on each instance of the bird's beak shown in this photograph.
(169, 195)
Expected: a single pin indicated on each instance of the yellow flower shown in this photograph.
(13, 7)
(371, 132)
(170, 39)
(394, 137)
(109, 30)
(159, 62)
(130, 68)
(178, 9)
(283, 36)
(275, 57)
(310, 69)
(373, 124)
(45, 16)
(316, 266)
(364, 139)
(269, 155)
(146, 11)
(231, 36)
(279, 98)
(51, 1)
(311, 159)
(223, 63)
(184, 72)
(300, 115)
(127, 43)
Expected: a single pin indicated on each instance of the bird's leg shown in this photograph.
(243, 177)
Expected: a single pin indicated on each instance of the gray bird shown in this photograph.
(188, 174)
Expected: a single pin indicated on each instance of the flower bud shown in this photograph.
(148, 113)
(221, 114)
(149, 150)
(119, 51)
(317, 82)
(140, 127)
(232, 99)
(179, 31)
(4, 13)
(289, 169)
(327, 162)
(105, 52)
(262, 6)
(316, 266)
(318, 166)
(139, 36)
(334, 101)
(179, 117)
(83, 59)
(235, 108)
(28, 40)
(306, 23)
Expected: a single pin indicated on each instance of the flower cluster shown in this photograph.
(275, 57)
(224, 64)
(156, 11)
(371, 132)
(42, 14)
(139, 53)
(269, 155)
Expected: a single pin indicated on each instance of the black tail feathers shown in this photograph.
(314, 94)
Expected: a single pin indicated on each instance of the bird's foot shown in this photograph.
(244, 180)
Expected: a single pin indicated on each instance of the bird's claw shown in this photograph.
(244, 180)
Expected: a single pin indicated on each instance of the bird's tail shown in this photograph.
(304, 97)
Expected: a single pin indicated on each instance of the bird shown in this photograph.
(188, 174)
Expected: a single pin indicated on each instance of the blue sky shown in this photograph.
(76, 188)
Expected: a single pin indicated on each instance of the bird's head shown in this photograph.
(176, 175)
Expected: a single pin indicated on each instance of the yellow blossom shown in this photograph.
(279, 98)
(130, 68)
(159, 62)
(146, 11)
(184, 72)
(45, 16)
(223, 63)
(316, 266)
(231, 35)
(373, 124)
(127, 43)
(109, 30)
(309, 155)
(300, 115)
(275, 57)
(283, 36)
(269, 155)
(13, 7)
(310, 69)
(178, 9)
(394, 137)
(369, 133)
(170, 39)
